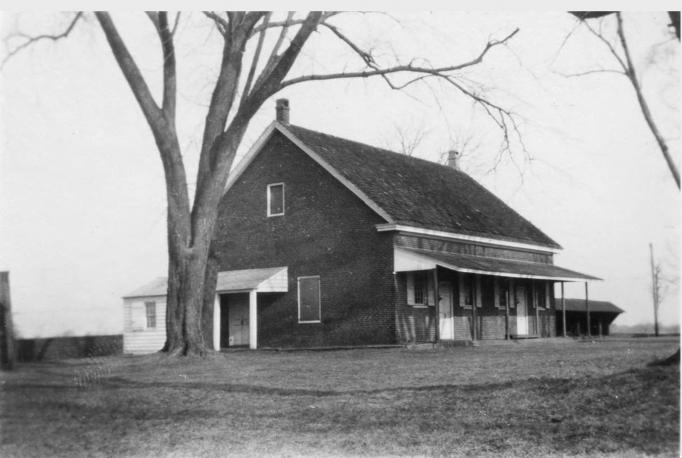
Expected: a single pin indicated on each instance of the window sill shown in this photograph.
(310, 322)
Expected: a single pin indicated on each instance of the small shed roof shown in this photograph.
(270, 279)
(407, 259)
(578, 305)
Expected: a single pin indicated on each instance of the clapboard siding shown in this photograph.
(146, 340)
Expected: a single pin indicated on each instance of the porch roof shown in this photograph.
(407, 259)
(268, 280)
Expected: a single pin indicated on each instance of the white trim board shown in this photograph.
(464, 238)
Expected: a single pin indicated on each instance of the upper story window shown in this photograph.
(276, 199)
(150, 312)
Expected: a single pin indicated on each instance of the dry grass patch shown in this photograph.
(535, 399)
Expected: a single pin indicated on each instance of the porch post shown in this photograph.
(506, 309)
(587, 309)
(474, 294)
(253, 320)
(216, 323)
(436, 298)
(563, 308)
(538, 329)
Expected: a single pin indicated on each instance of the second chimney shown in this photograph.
(282, 111)
(453, 159)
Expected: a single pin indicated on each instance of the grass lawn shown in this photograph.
(531, 399)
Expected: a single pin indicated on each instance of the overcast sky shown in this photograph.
(82, 196)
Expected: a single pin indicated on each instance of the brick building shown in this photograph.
(323, 241)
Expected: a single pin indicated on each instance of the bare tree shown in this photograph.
(406, 140)
(244, 82)
(626, 66)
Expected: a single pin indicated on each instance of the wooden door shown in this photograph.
(238, 319)
(521, 311)
(446, 328)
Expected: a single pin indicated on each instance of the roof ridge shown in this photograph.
(379, 148)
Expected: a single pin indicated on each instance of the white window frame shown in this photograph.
(319, 298)
(146, 315)
(269, 194)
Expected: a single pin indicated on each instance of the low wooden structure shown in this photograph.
(601, 315)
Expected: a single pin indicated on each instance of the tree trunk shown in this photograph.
(186, 290)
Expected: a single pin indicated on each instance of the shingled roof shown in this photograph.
(420, 193)
(578, 305)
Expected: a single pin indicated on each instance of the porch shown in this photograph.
(479, 298)
(235, 308)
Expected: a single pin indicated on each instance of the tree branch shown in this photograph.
(131, 71)
(644, 106)
(169, 73)
(408, 68)
(256, 57)
(33, 39)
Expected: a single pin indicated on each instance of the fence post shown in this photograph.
(7, 352)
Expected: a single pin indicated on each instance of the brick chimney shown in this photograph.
(282, 110)
(453, 159)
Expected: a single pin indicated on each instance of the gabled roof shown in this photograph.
(578, 305)
(409, 191)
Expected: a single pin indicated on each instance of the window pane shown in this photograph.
(276, 199)
(503, 290)
(309, 299)
(150, 309)
(420, 288)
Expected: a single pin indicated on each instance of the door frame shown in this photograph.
(444, 285)
(519, 317)
(253, 318)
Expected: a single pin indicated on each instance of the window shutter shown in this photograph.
(410, 288)
(138, 315)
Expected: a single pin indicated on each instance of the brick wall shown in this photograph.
(327, 231)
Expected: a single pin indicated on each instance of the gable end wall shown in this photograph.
(327, 231)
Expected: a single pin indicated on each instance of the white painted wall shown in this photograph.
(137, 338)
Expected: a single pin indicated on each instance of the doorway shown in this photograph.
(446, 326)
(521, 311)
(234, 320)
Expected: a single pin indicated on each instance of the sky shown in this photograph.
(82, 204)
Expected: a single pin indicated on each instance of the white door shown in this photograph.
(446, 329)
(521, 312)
